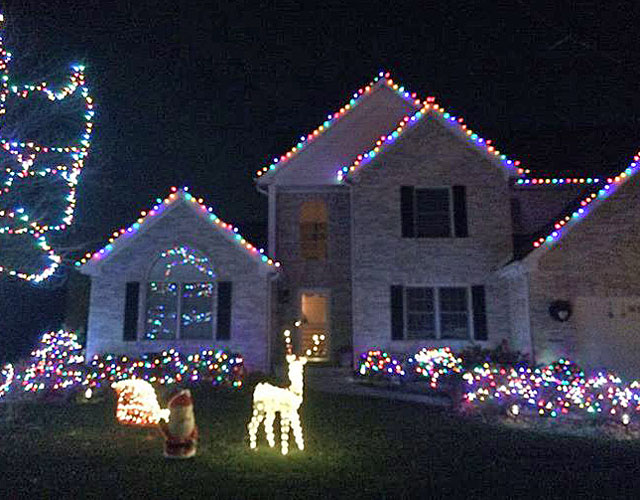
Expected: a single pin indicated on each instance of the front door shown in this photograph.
(314, 330)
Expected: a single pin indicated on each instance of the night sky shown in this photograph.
(203, 96)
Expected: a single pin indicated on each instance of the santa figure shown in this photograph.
(181, 432)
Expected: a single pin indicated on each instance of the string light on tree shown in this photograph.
(28, 161)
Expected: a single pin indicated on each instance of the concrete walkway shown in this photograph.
(341, 381)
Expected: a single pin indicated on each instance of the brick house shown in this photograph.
(398, 227)
(180, 278)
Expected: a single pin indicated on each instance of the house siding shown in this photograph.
(181, 225)
(332, 274)
(427, 156)
(596, 267)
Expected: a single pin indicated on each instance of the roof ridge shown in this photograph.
(159, 208)
(383, 78)
(588, 203)
(431, 106)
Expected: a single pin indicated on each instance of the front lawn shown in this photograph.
(356, 447)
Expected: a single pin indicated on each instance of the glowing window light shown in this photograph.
(138, 403)
(268, 400)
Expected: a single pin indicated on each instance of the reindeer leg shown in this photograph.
(268, 428)
(285, 425)
(254, 425)
(297, 430)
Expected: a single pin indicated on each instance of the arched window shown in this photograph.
(181, 296)
(313, 230)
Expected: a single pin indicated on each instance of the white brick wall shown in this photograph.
(181, 225)
(428, 156)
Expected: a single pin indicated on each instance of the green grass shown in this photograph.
(356, 447)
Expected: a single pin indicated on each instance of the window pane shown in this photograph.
(420, 313)
(419, 299)
(313, 230)
(454, 326)
(433, 225)
(454, 313)
(197, 311)
(162, 311)
(421, 326)
(432, 200)
(433, 213)
(313, 240)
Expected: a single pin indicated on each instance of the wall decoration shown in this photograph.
(138, 403)
(268, 400)
(560, 310)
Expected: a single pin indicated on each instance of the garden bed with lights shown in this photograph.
(559, 396)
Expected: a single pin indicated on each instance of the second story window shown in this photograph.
(313, 230)
(433, 212)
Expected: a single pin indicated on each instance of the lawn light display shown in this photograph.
(58, 363)
(269, 400)
(6, 378)
(168, 367)
(555, 390)
(377, 362)
(434, 364)
(36, 170)
(138, 403)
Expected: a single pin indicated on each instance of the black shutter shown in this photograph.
(406, 211)
(460, 212)
(130, 327)
(223, 331)
(397, 312)
(479, 313)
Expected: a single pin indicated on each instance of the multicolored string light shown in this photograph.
(586, 204)
(376, 362)
(433, 364)
(63, 162)
(382, 79)
(554, 390)
(168, 367)
(56, 363)
(158, 209)
(429, 107)
(184, 256)
(7, 374)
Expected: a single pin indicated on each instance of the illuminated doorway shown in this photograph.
(314, 330)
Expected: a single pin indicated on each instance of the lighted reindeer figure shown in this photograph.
(269, 400)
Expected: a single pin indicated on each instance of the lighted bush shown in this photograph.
(169, 367)
(381, 365)
(58, 363)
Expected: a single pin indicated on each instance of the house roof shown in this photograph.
(455, 124)
(373, 110)
(121, 238)
(585, 205)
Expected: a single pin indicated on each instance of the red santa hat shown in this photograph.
(183, 398)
